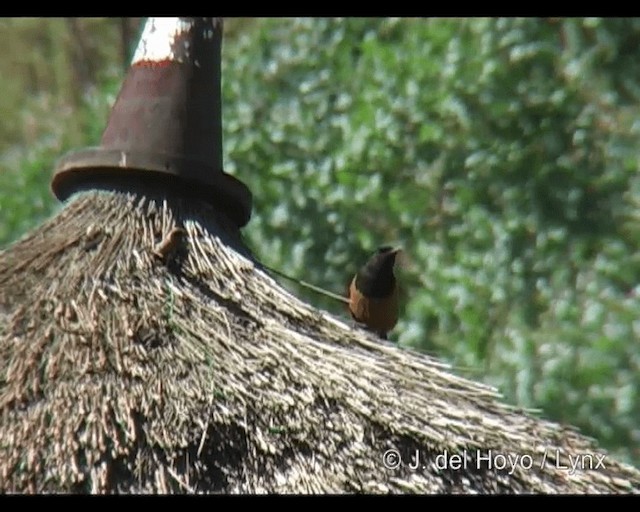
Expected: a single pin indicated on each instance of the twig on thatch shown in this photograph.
(177, 478)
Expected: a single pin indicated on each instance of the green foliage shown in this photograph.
(501, 155)
(51, 106)
(25, 196)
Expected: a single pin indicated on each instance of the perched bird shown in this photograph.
(169, 246)
(373, 294)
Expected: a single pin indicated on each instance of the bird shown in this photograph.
(373, 292)
(169, 246)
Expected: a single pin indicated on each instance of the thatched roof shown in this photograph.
(123, 373)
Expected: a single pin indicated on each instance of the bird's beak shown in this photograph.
(397, 256)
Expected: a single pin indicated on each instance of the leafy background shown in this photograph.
(501, 154)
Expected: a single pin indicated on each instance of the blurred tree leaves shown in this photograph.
(500, 153)
(58, 78)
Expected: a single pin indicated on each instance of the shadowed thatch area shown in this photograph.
(123, 373)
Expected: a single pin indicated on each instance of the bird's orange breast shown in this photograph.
(379, 314)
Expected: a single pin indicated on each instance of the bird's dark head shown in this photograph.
(375, 278)
(384, 258)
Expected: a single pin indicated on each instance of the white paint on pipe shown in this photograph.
(160, 39)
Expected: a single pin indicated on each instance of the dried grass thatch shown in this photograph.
(123, 373)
